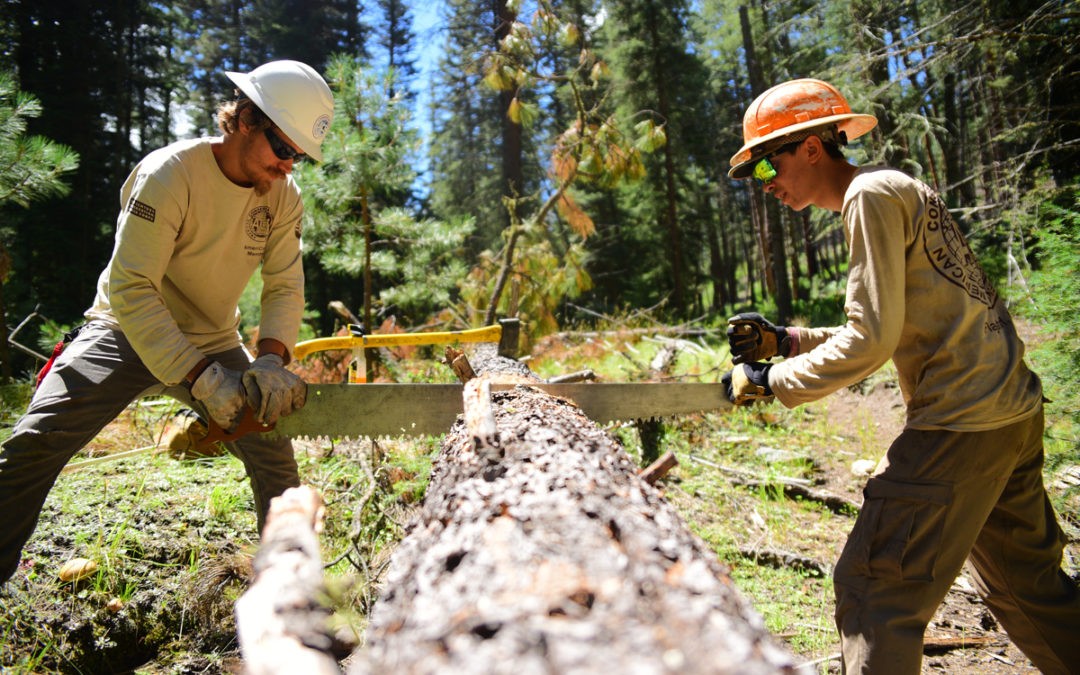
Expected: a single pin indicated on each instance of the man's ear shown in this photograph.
(814, 149)
(243, 122)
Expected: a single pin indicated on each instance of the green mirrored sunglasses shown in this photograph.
(764, 171)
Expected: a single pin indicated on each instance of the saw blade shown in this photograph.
(373, 410)
(376, 410)
(622, 401)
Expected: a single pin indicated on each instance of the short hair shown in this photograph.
(230, 113)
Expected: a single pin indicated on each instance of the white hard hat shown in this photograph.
(294, 97)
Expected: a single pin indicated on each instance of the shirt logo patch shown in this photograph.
(142, 210)
(951, 255)
(258, 223)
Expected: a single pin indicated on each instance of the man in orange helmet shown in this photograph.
(197, 219)
(963, 481)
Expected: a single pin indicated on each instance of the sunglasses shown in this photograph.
(281, 149)
(764, 170)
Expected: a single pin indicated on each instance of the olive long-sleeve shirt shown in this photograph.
(188, 240)
(915, 294)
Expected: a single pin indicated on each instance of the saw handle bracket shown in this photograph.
(248, 424)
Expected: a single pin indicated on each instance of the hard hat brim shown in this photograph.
(853, 125)
(244, 84)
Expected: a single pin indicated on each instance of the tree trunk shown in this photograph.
(777, 256)
(812, 270)
(795, 239)
(718, 267)
(513, 173)
(539, 549)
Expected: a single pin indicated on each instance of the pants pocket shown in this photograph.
(901, 533)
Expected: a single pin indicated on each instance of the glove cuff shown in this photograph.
(208, 382)
(785, 341)
(793, 340)
(758, 373)
(272, 358)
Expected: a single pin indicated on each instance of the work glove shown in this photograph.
(748, 383)
(222, 392)
(752, 337)
(273, 391)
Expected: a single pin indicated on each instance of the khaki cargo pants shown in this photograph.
(937, 498)
(92, 381)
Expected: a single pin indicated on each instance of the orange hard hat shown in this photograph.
(788, 108)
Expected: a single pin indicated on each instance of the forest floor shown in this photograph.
(173, 539)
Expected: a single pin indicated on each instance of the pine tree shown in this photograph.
(357, 238)
(31, 169)
(656, 71)
(396, 40)
(466, 160)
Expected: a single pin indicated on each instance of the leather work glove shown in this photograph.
(752, 337)
(272, 391)
(748, 383)
(222, 392)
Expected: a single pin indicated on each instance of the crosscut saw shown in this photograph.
(376, 410)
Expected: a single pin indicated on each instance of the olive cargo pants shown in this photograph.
(936, 498)
(92, 381)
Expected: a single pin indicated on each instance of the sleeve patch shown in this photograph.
(144, 211)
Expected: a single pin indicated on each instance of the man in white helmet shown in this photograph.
(963, 481)
(197, 219)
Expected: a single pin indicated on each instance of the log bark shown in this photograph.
(538, 549)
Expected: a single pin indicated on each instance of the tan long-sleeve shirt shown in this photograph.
(915, 294)
(188, 241)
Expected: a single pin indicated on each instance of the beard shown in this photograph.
(263, 177)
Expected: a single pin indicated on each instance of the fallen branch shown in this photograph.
(659, 468)
(655, 330)
(793, 488)
(75, 466)
(577, 376)
(940, 645)
(785, 559)
(279, 620)
(835, 503)
(746, 474)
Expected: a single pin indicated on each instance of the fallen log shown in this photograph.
(538, 548)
